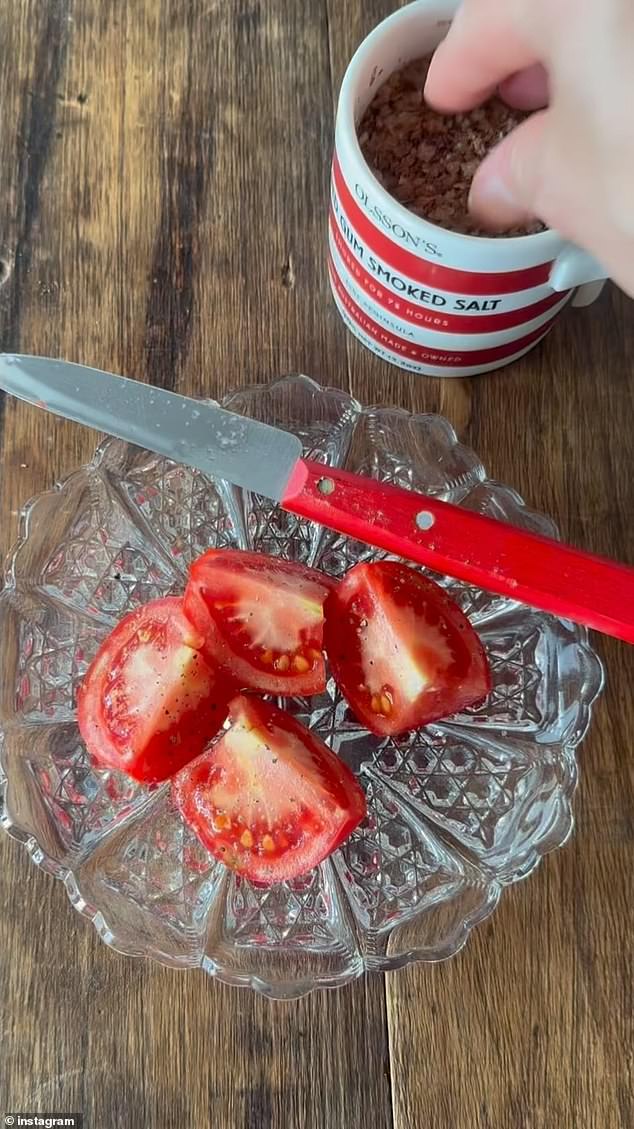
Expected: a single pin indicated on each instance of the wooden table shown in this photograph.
(163, 189)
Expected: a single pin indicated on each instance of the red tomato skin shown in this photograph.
(467, 684)
(191, 796)
(164, 753)
(239, 668)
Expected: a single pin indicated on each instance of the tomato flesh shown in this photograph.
(403, 653)
(151, 701)
(269, 799)
(262, 619)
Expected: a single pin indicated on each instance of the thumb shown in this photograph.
(508, 184)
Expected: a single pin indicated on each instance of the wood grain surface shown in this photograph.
(163, 189)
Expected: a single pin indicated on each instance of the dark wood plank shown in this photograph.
(163, 172)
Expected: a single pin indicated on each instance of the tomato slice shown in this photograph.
(262, 619)
(270, 800)
(402, 652)
(150, 701)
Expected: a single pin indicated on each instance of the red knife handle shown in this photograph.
(457, 542)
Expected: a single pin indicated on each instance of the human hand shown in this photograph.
(571, 163)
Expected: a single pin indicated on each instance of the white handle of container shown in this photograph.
(574, 267)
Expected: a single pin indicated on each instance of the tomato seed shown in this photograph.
(267, 657)
(386, 705)
(300, 664)
(375, 704)
(283, 663)
(246, 838)
(268, 843)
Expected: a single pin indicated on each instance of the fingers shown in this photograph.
(507, 187)
(486, 43)
(526, 90)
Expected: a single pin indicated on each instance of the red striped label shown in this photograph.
(435, 320)
(478, 283)
(465, 358)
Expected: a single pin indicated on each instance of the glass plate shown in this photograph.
(457, 810)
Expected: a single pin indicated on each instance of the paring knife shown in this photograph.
(539, 571)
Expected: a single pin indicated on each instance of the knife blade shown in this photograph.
(195, 432)
(449, 539)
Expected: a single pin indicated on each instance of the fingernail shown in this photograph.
(492, 201)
